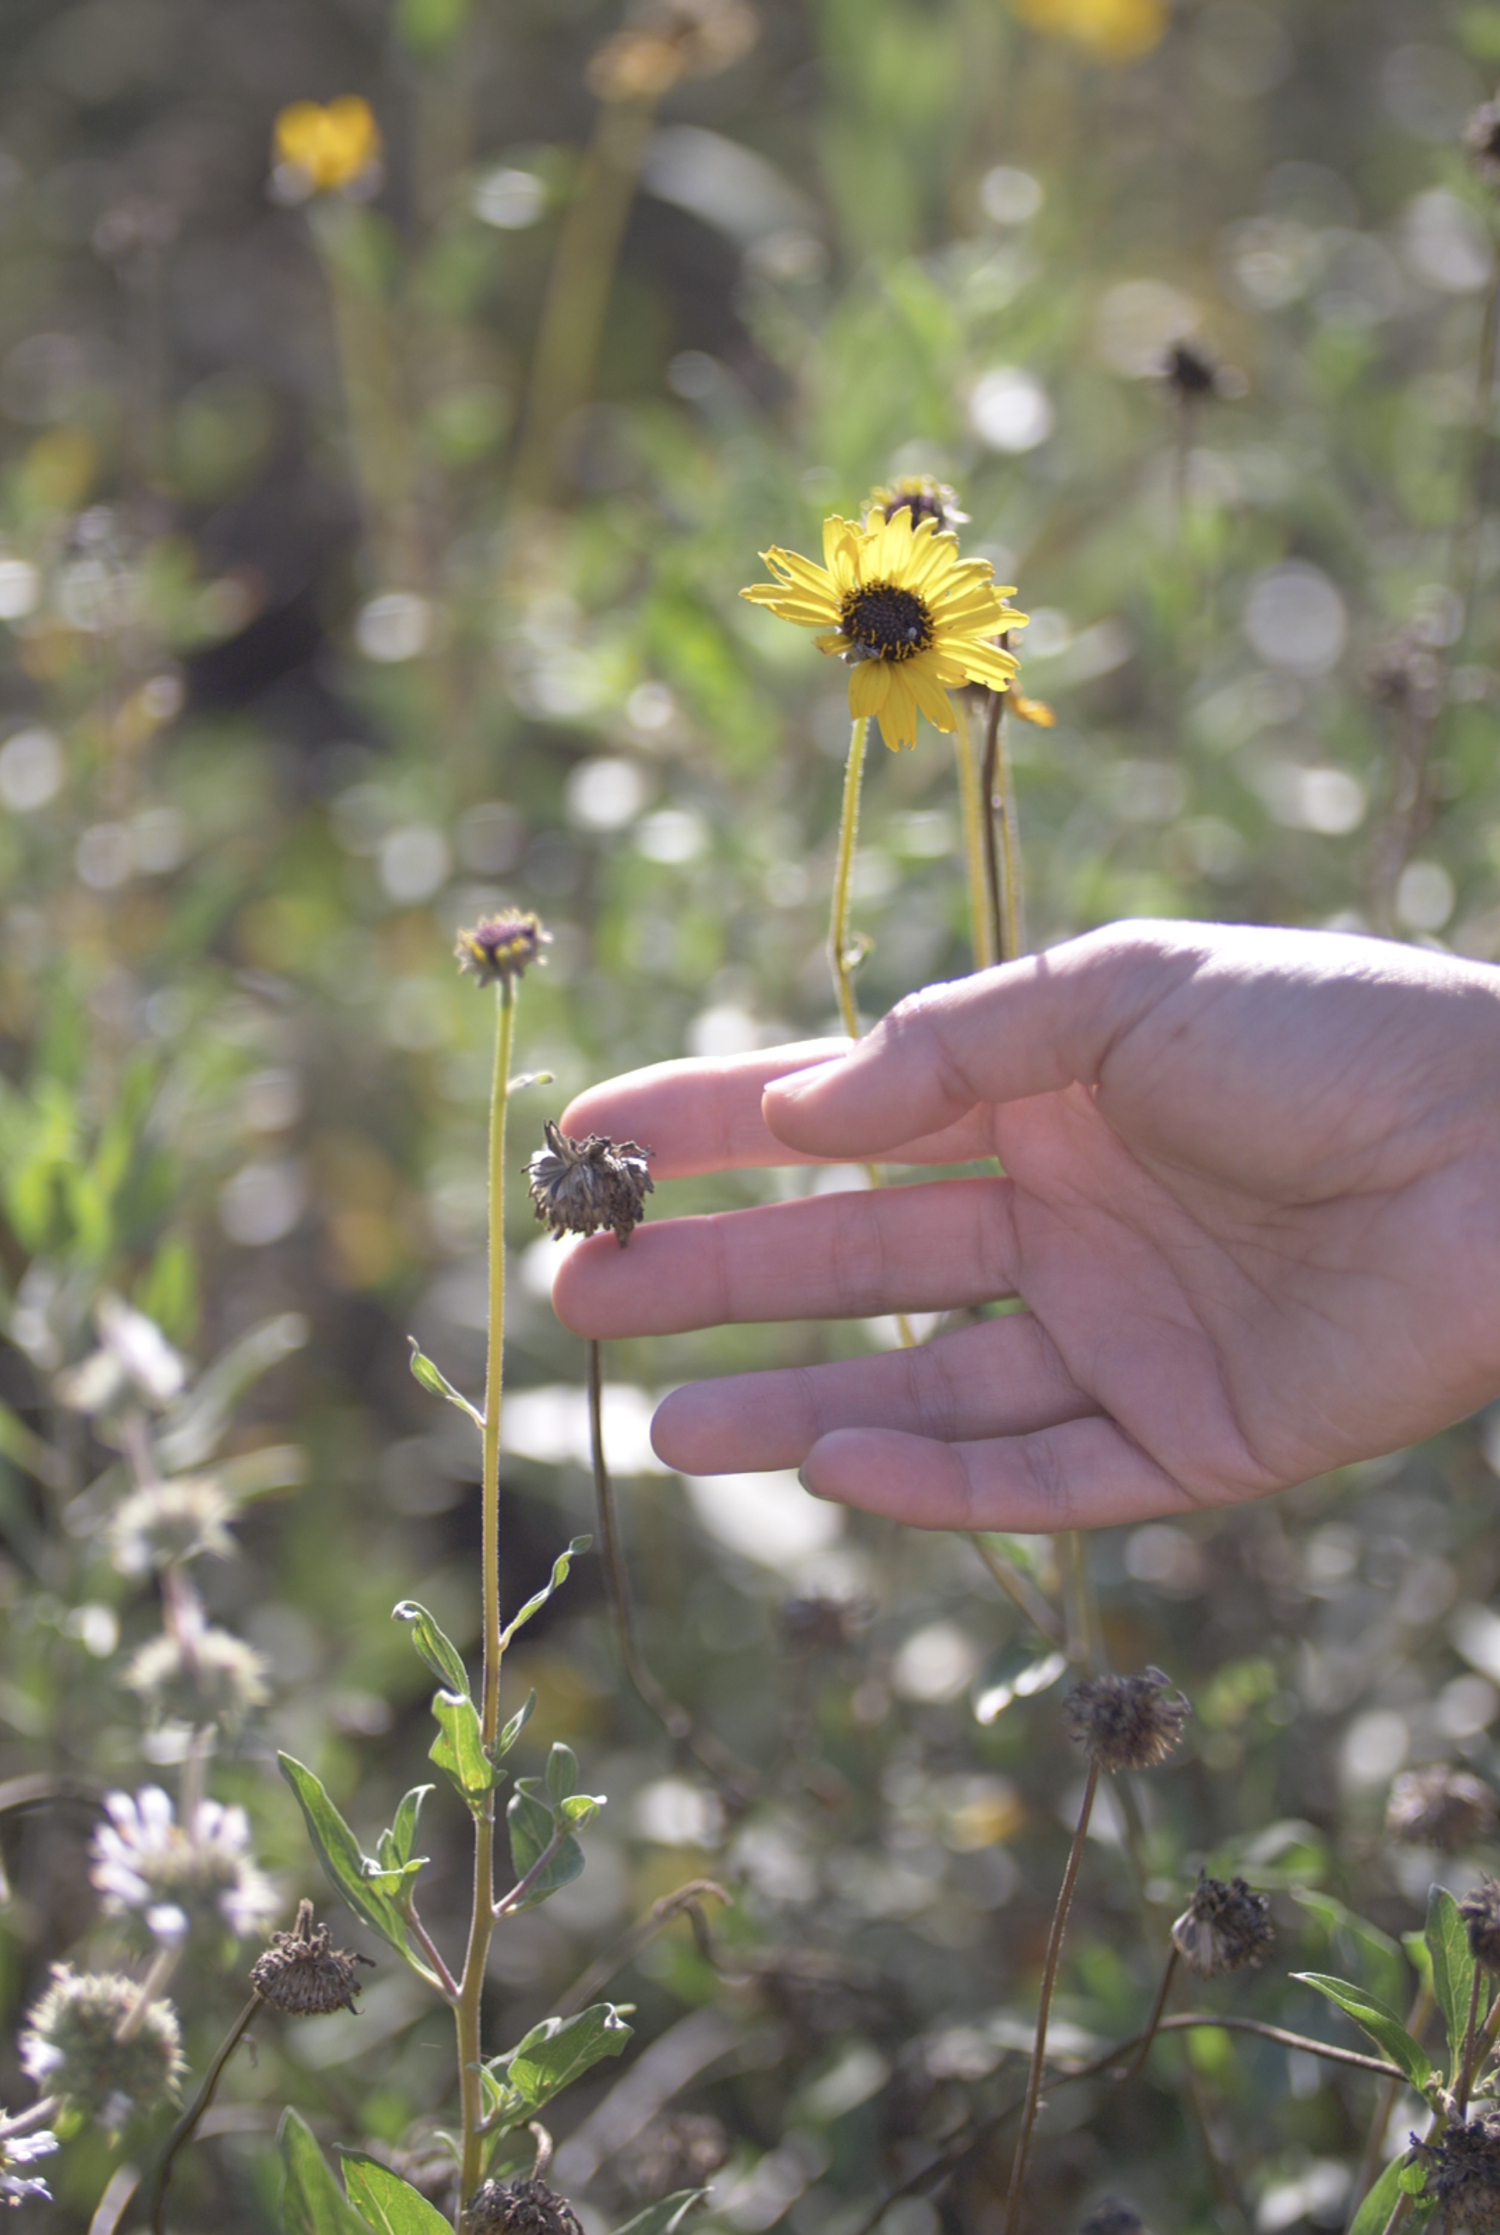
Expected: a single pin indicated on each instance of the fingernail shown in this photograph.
(811, 1488)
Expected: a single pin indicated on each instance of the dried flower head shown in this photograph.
(503, 946)
(816, 1622)
(317, 150)
(684, 2149)
(1126, 1722)
(1482, 140)
(586, 1187)
(669, 40)
(303, 1973)
(1406, 674)
(213, 1677)
(167, 1523)
(1480, 1911)
(1440, 1806)
(1190, 372)
(1463, 2173)
(920, 495)
(24, 2149)
(71, 2046)
(1225, 1927)
(177, 1875)
(519, 2208)
(1110, 2217)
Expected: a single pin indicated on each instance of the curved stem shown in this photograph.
(1044, 2007)
(1153, 2023)
(1022, 1593)
(466, 2011)
(155, 2205)
(971, 804)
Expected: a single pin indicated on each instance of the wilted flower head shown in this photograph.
(1440, 1806)
(186, 1518)
(175, 1875)
(519, 2208)
(669, 40)
(1482, 139)
(1190, 372)
(503, 946)
(24, 2149)
(318, 150)
(586, 1187)
(1406, 674)
(70, 2046)
(681, 2150)
(818, 1622)
(1463, 2173)
(922, 497)
(1109, 2217)
(1225, 1927)
(213, 1677)
(1126, 1722)
(303, 1973)
(1480, 1911)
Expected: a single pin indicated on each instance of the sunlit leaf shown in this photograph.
(458, 1749)
(1382, 2024)
(437, 1383)
(439, 1652)
(532, 1826)
(1452, 1972)
(312, 2202)
(551, 2057)
(559, 1576)
(665, 2216)
(387, 2203)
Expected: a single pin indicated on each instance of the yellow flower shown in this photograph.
(327, 148)
(1034, 710)
(912, 619)
(1114, 30)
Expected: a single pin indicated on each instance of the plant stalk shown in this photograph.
(1153, 2023)
(971, 804)
(1044, 2007)
(183, 2131)
(1022, 1593)
(1002, 839)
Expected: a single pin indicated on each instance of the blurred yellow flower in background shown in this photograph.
(911, 618)
(324, 149)
(1114, 30)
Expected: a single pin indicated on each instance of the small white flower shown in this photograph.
(24, 2149)
(174, 1875)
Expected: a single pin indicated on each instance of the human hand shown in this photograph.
(1251, 1203)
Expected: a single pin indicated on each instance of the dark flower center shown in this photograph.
(884, 622)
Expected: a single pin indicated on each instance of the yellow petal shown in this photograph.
(1033, 710)
(930, 695)
(869, 683)
(898, 716)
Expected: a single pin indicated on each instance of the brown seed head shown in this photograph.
(1480, 1911)
(920, 494)
(818, 1623)
(1440, 1806)
(519, 2208)
(303, 1973)
(1126, 1722)
(1463, 2174)
(1406, 675)
(1482, 140)
(501, 947)
(1223, 1928)
(586, 1187)
(1190, 372)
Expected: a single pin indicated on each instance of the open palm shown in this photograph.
(1251, 1204)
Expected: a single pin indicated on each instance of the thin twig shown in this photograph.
(1023, 1593)
(637, 1936)
(1154, 2021)
(1044, 2006)
(432, 1952)
(182, 2132)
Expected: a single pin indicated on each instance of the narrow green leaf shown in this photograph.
(664, 2217)
(367, 1889)
(532, 1825)
(311, 2200)
(1380, 2022)
(1452, 1971)
(437, 1383)
(1356, 1940)
(439, 1652)
(458, 1749)
(559, 1576)
(512, 1730)
(387, 2203)
(403, 1832)
(552, 2056)
(562, 1771)
(1380, 2202)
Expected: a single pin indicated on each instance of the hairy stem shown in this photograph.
(971, 803)
(482, 1916)
(1044, 2006)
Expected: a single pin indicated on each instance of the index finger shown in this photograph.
(703, 1113)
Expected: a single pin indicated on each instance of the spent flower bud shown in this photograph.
(1480, 1911)
(302, 1972)
(1463, 2173)
(72, 2044)
(502, 947)
(519, 2208)
(1440, 1806)
(1126, 1722)
(1225, 1927)
(584, 1187)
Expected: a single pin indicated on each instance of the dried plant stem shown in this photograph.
(1022, 1593)
(156, 2197)
(736, 1781)
(1154, 2021)
(1044, 2006)
(688, 1899)
(482, 1916)
(971, 805)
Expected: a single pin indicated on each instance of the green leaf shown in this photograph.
(439, 1652)
(387, 2203)
(437, 1384)
(311, 2200)
(551, 2057)
(1380, 2202)
(1380, 2022)
(562, 1771)
(580, 1808)
(1452, 1971)
(402, 1836)
(560, 1568)
(1419, 1956)
(458, 1749)
(666, 2216)
(1357, 1941)
(532, 1825)
(513, 1729)
(369, 1891)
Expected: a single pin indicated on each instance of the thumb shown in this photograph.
(1029, 1027)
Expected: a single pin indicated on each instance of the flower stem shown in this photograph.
(183, 2131)
(971, 803)
(1022, 1592)
(1002, 839)
(1049, 1981)
(1154, 2021)
(838, 929)
(482, 1917)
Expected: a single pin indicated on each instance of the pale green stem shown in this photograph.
(1022, 1593)
(1002, 838)
(482, 1919)
(971, 804)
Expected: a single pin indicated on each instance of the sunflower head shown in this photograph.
(895, 602)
